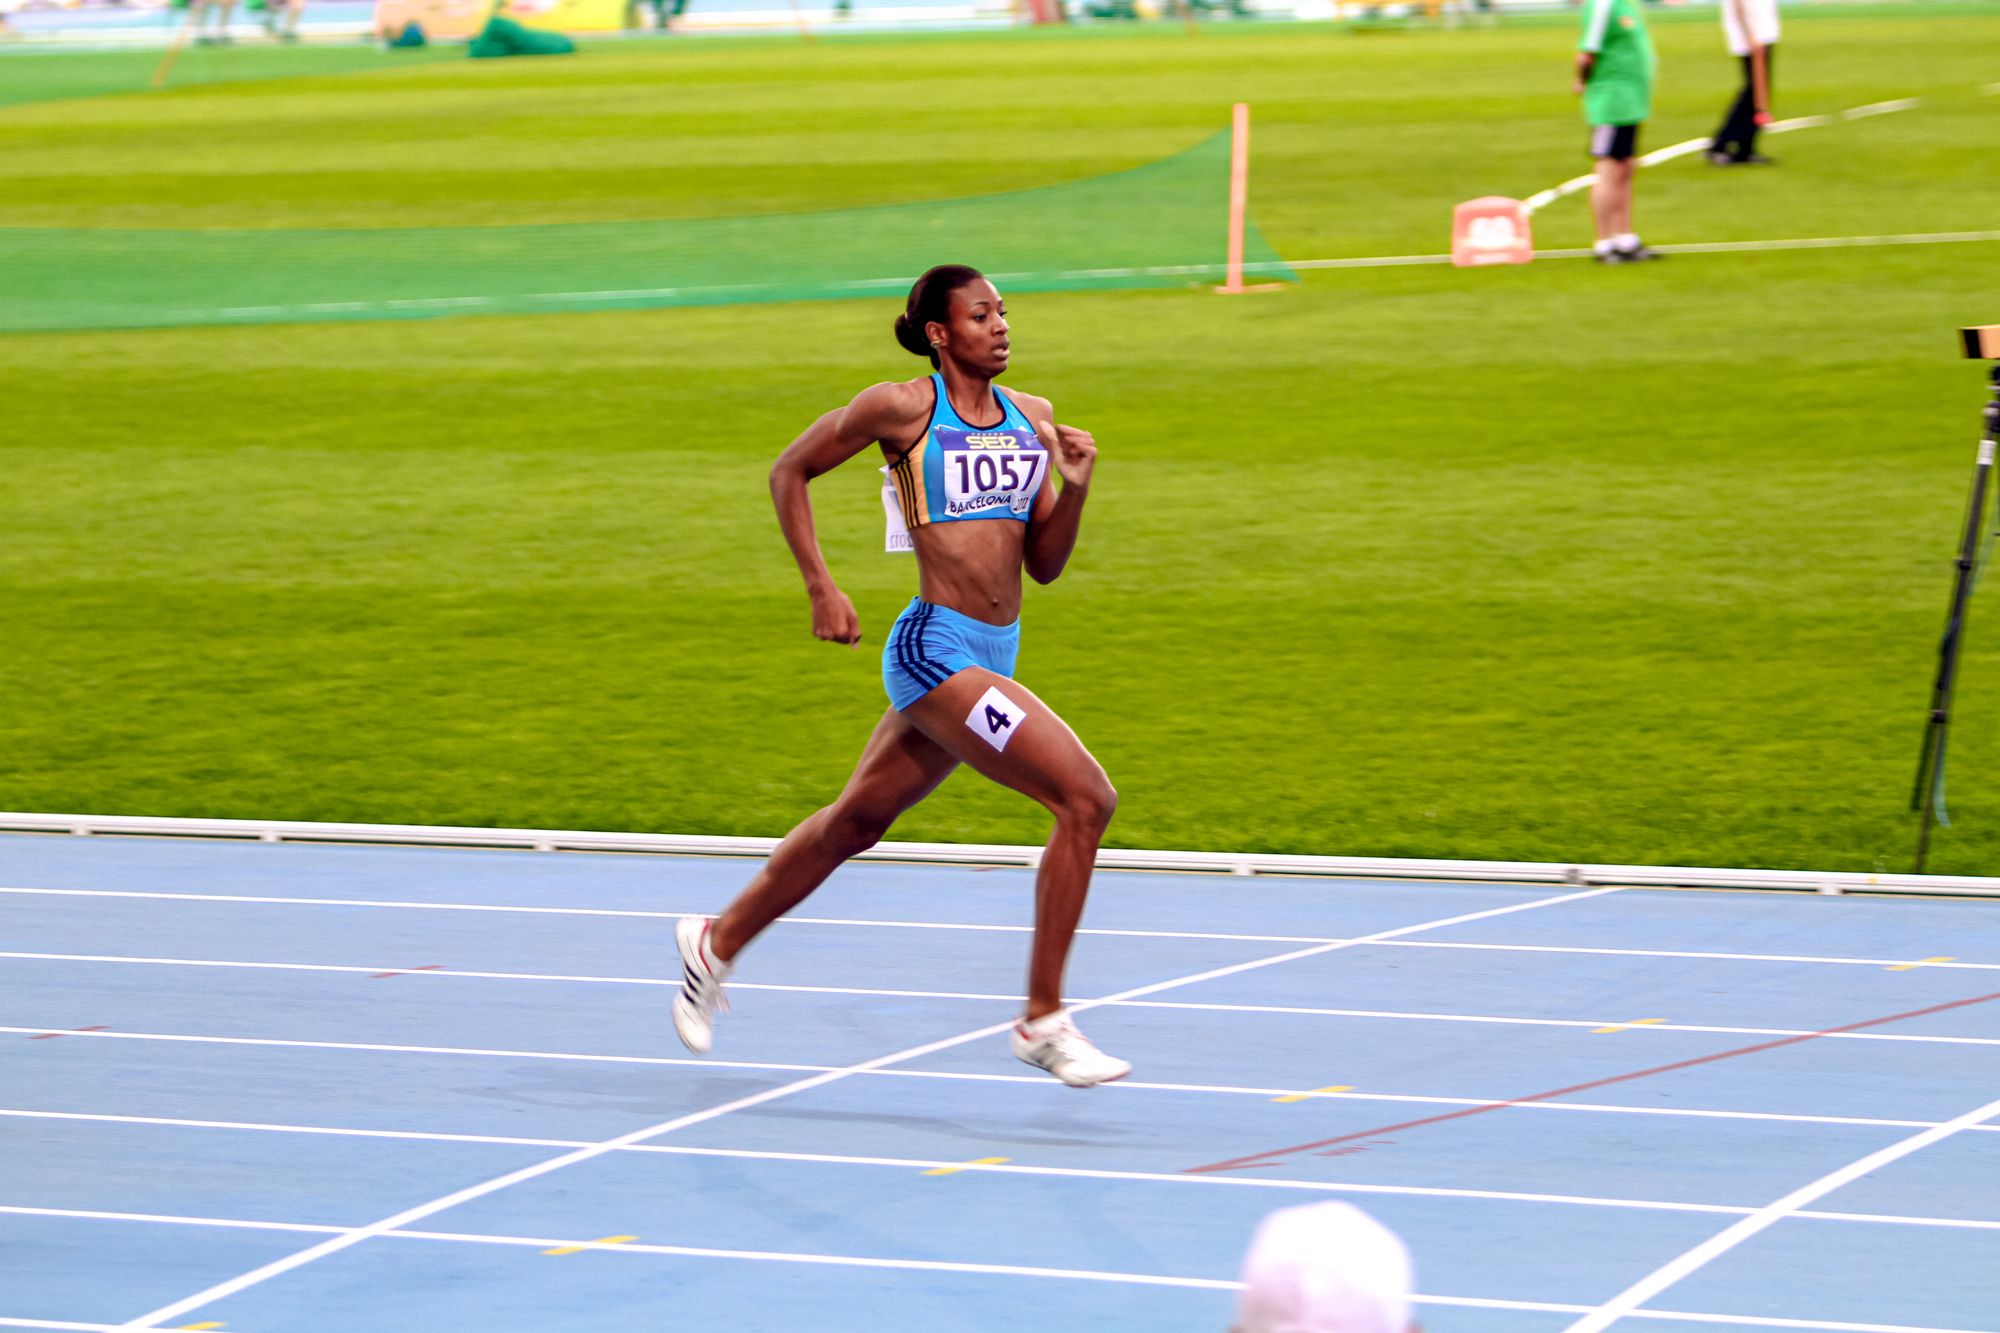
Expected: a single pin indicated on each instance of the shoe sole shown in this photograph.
(1068, 1083)
(1096, 1084)
(689, 926)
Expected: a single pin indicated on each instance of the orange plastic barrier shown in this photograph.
(1491, 230)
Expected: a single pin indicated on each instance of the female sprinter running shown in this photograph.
(969, 463)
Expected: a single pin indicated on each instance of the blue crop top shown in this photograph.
(958, 472)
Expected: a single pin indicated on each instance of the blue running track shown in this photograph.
(300, 1089)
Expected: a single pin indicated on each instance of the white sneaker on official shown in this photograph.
(702, 975)
(1052, 1042)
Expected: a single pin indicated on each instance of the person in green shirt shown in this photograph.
(1614, 75)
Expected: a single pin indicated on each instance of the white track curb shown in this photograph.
(1111, 858)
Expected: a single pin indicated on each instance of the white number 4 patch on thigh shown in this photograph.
(996, 718)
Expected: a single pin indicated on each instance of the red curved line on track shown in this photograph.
(1271, 1158)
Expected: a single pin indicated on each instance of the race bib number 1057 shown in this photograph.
(981, 478)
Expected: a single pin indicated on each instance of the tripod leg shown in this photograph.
(1932, 811)
(1925, 756)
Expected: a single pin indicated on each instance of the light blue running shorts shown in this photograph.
(928, 645)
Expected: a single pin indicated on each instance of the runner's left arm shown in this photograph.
(1052, 526)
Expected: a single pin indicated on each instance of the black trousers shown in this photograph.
(1738, 135)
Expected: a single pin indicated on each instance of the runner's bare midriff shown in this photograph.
(972, 568)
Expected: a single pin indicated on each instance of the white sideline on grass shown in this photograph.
(1544, 198)
(1004, 854)
(1195, 272)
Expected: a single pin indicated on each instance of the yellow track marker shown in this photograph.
(601, 1240)
(977, 1161)
(1620, 1027)
(1905, 967)
(1316, 1092)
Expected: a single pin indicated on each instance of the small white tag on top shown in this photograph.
(996, 718)
(897, 538)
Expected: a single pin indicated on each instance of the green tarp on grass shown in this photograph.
(1162, 224)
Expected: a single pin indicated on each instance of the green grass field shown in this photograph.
(1556, 562)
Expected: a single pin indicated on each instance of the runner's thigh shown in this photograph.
(1000, 728)
(898, 767)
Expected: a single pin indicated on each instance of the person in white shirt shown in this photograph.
(1751, 27)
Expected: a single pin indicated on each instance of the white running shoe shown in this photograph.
(702, 975)
(1052, 1042)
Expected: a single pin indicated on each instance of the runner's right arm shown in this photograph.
(879, 412)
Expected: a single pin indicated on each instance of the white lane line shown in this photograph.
(1514, 1021)
(168, 1219)
(933, 1265)
(423, 1210)
(1128, 1086)
(480, 975)
(1010, 929)
(1970, 1223)
(355, 1235)
(1666, 1275)
(1124, 1087)
(268, 1127)
(911, 1165)
(658, 916)
(1001, 1167)
(1324, 1186)
(1767, 1321)
(395, 1049)
(834, 1260)
(995, 998)
(906, 1164)
(1687, 953)
(689, 1251)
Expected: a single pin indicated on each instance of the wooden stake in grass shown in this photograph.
(166, 65)
(1239, 203)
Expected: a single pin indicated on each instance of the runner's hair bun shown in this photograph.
(930, 303)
